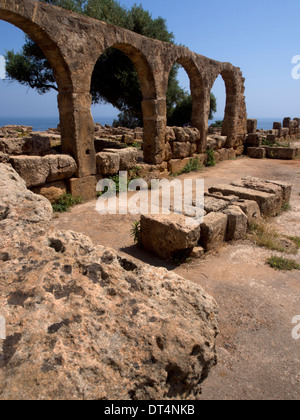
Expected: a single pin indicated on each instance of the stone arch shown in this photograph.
(69, 121)
(151, 105)
(229, 128)
(198, 96)
(50, 49)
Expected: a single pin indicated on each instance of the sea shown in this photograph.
(44, 123)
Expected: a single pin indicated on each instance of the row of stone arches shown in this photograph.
(72, 44)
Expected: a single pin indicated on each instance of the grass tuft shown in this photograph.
(265, 236)
(283, 264)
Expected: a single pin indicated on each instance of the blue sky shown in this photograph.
(260, 37)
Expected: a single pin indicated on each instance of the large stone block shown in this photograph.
(283, 153)
(181, 150)
(250, 208)
(212, 204)
(269, 204)
(52, 191)
(60, 167)
(176, 165)
(251, 126)
(33, 169)
(108, 163)
(37, 145)
(180, 134)
(256, 152)
(254, 140)
(213, 230)
(84, 188)
(128, 157)
(237, 223)
(167, 235)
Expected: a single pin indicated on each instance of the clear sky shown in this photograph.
(259, 36)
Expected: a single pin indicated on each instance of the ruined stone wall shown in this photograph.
(73, 43)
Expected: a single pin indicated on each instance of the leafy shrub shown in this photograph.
(211, 161)
(65, 202)
(136, 233)
(194, 165)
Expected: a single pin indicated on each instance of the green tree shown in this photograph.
(120, 87)
(182, 113)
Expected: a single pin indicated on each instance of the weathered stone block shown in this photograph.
(237, 223)
(33, 169)
(181, 150)
(108, 163)
(168, 152)
(256, 152)
(212, 204)
(283, 153)
(166, 235)
(269, 203)
(128, 157)
(254, 140)
(251, 126)
(213, 230)
(250, 208)
(176, 165)
(223, 154)
(30, 146)
(84, 188)
(180, 134)
(277, 125)
(286, 122)
(60, 167)
(220, 141)
(211, 144)
(52, 191)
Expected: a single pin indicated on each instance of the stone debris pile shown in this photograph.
(229, 211)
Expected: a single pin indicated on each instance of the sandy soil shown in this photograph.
(258, 358)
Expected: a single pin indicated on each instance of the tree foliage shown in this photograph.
(120, 87)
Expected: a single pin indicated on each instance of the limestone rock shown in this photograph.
(237, 223)
(128, 157)
(256, 152)
(269, 204)
(33, 169)
(37, 171)
(181, 150)
(108, 163)
(168, 234)
(213, 230)
(250, 208)
(52, 191)
(85, 323)
(60, 167)
(32, 146)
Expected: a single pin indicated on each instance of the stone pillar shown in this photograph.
(155, 123)
(77, 130)
(201, 109)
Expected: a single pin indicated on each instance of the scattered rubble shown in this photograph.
(85, 323)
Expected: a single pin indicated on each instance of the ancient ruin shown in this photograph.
(72, 44)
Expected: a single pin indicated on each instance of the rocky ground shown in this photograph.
(258, 358)
(85, 322)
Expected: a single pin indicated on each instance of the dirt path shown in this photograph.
(258, 358)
